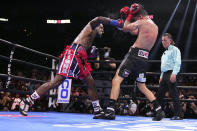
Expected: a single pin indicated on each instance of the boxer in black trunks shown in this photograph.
(135, 61)
(73, 63)
(147, 33)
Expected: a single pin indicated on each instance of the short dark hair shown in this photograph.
(142, 11)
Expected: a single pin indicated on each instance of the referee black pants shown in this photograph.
(167, 85)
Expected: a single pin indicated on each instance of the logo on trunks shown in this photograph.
(143, 53)
(68, 61)
(69, 55)
(126, 73)
(141, 77)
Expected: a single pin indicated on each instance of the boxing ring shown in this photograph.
(50, 121)
(75, 121)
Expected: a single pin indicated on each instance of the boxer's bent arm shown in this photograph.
(134, 32)
(130, 27)
(126, 23)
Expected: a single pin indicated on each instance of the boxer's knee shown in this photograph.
(48, 85)
(141, 85)
(90, 81)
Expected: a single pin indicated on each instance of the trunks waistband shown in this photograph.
(74, 46)
(139, 52)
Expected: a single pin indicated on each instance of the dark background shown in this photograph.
(27, 23)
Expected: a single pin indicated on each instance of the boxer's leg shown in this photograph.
(110, 112)
(98, 111)
(25, 103)
(157, 108)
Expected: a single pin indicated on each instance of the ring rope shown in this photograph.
(27, 63)
(94, 72)
(77, 85)
(32, 64)
(119, 61)
(26, 48)
(147, 73)
(168, 99)
(92, 61)
(121, 98)
(41, 81)
(85, 97)
(51, 56)
(21, 78)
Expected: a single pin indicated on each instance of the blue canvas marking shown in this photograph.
(54, 121)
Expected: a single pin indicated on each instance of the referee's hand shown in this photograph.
(173, 78)
(160, 80)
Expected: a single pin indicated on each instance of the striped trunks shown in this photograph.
(73, 62)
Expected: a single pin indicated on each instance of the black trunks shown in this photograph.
(135, 63)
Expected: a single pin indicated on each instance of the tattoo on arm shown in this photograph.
(130, 27)
(99, 20)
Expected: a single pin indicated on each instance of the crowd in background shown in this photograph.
(9, 101)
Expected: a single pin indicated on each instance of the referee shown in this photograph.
(170, 67)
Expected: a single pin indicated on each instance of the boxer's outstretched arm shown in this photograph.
(99, 20)
(105, 21)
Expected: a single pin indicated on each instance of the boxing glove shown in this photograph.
(133, 11)
(124, 12)
(135, 8)
(117, 23)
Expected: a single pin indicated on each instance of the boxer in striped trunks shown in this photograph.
(73, 63)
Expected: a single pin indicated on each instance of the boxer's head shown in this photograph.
(141, 12)
(99, 30)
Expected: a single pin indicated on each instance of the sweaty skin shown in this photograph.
(85, 38)
(87, 35)
(147, 32)
(146, 29)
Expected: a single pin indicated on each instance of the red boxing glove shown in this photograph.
(129, 17)
(133, 11)
(124, 12)
(120, 24)
(135, 8)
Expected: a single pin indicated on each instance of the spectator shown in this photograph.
(16, 101)
(190, 108)
(132, 108)
(104, 79)
(6, 101)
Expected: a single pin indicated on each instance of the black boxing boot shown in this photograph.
(99, 114)
(98, 111)
(159, 113)
(110, 112)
